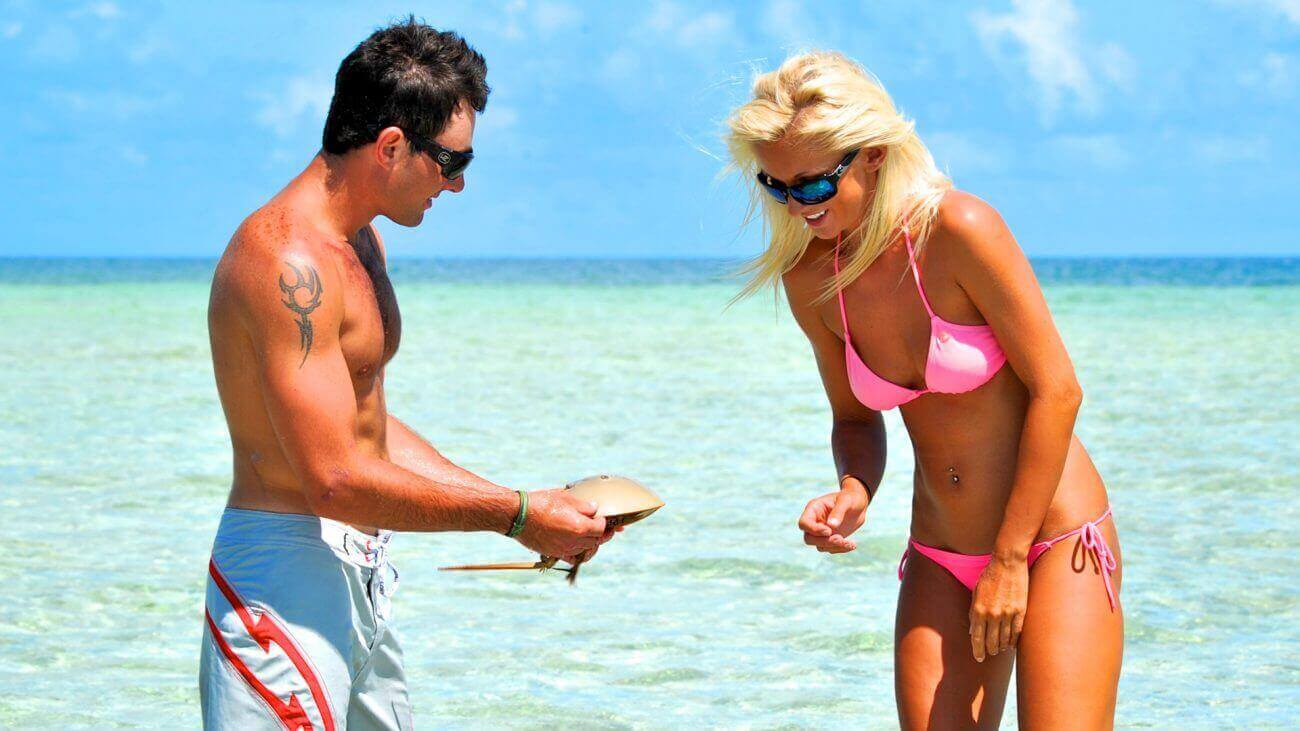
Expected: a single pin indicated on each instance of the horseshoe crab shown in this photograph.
(620, 500)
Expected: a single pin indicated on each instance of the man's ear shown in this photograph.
(390, 145)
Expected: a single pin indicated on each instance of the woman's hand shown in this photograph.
(828, 521)
(997, 607)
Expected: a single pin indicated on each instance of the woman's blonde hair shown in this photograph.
(831, 103)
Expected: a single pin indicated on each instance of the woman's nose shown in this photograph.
(794, 207)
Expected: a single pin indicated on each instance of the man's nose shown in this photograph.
(455, 185)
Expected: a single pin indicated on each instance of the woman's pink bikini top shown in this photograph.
(961, 358)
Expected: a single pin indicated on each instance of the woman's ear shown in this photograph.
(875, 158)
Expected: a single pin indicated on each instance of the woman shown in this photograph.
(916, 295)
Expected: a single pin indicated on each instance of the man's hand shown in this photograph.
(587, 555)
(559, 524)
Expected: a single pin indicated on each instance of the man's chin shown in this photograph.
(409, 220)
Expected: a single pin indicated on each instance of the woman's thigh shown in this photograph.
(1070, 651)
(937, 683)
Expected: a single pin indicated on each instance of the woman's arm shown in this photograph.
(857, 433)
(997, 277)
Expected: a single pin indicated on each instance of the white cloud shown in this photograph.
(1226, 150)
(710, 28)
(670, 33)
(959, 154)
(114, 106)
(499, 118)
(668, 23)
(56, 44)
(1281, 73)
(781, 18)
(664, 16)
(66, 100)
(303, 99)
(282, 155)
(788, 22)
(962, 154)
(11, 30)
(688, 28)
(1045, 33)
(1103, 151)
(514, 11)
(620, 65)
(1289, 9)
(133, 156)
(1278, 74)
(546, 17)
(149, 45)
(105, 10)
(553, 16)
(1116, 65)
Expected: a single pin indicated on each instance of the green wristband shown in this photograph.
(518, 526)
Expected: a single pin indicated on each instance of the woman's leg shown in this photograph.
(1072, 644)
(937, 683)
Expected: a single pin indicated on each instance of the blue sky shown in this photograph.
(1105, 128)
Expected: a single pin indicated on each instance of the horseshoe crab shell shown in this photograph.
(620, 500)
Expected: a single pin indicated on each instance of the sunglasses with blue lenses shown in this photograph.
(810, 191)
(451, 162)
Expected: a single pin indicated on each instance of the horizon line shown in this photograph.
(398, 258)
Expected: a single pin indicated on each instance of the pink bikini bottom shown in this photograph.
(967, 568)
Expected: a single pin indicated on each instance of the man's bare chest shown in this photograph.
(372, 324)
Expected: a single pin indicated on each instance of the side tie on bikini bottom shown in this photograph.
(966, 567)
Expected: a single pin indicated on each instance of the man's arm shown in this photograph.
(412, 452)
(309, 397)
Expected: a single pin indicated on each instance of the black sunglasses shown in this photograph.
(452, 162)
(810, 191)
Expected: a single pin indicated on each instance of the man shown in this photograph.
(302, 321)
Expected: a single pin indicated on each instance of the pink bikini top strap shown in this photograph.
(916, 273)
(839, 291)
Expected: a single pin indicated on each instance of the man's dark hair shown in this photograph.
(406, 75)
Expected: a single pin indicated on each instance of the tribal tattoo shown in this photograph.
(303, 296)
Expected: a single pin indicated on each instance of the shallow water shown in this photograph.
(115, 466)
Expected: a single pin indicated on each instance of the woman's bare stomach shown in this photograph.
(966, 455)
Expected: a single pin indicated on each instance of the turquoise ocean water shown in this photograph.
(114, 466)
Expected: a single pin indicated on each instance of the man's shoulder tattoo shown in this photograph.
(302, 296)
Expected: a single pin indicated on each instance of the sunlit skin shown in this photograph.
(791, 163)
(310, 428)
(414, 180)
(1024, 476)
